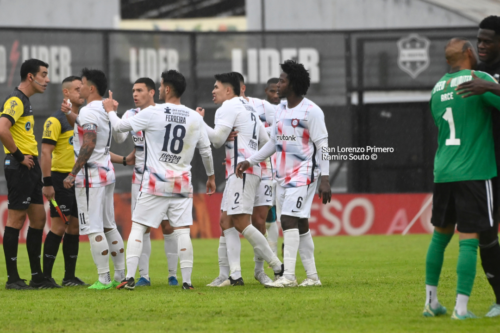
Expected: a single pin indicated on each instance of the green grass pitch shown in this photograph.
(370, 284)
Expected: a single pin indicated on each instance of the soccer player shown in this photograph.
(488, 46)
(298, 133)
(463, 168)
(238, 199)
(23, 175)
(172, 132)
(57, 161)
(143, 94)
(271, 91)
(94, 175)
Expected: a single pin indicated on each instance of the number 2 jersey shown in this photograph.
(465, 140)
(98, 171)
(138, 138)
(171, 132)
(239, 115)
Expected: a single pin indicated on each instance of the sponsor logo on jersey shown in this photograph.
(286, 138)
(413, 56)
(252, 144)
(167, 110)
(168, 158)
(27, 126)
(138, 139)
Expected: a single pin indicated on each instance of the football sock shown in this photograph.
(100, 254)
(116, 249)
(466, 266)
(461, 305)
(292, 241)
(233, 244)
(170, 246)
(261, 247)
(134, 248)
(259, 262)
(306, 252)
(50, 249)
(223, 262)
(185, 248)
(431, 296)
(146, 253)
(34, 247)
(272, 236)
(70, 252)
(10, 245)
(435, 256)
(490, 260)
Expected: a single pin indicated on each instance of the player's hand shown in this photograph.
(211, 185)
(48, 192)
(201, 111)
(69, 181)
(476, 86)
(109, 103)
(65, 106)
(325, 191)
(232, 135)
(130, 159)
(28, 161)
(242, 167)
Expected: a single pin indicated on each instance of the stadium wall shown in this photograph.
(346, 214)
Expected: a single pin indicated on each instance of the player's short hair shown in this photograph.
(150, 84)
(176, 80)
(97, 78)
(491, 23)
(240, 77)
(31, 66)
(230, 78)
(273, 80)
(298, 76)
(71, 79)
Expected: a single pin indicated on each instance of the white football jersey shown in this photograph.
(98, 171)
(294, 133)
(266, 111)
(171, 133)
(239, 115)
(138, 138)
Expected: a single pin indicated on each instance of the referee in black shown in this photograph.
(488, 47)
(23, 175)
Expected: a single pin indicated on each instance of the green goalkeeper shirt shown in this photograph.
(465, 140)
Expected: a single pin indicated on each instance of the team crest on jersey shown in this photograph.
(71, 140)
(47, 131)
(13, 104)
(167, 110)
(413, 56)
(27, 126)
(295, 122)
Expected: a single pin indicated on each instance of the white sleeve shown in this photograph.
(324, 164)
(263, 136)
(317, 126)
(208, 162)
(269, 111)
(218, 135)
(266, 151)
(119, 125)
(225, 116)
(86, 117)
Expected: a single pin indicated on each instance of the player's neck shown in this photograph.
(173, 100)
(293, 101)
(460, 67)
(93, 97)
(147, 105)
(75, 108)
(26, 89)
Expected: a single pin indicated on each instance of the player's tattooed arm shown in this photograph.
(88, 146)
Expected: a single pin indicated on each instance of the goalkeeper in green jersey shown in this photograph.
(463, 168)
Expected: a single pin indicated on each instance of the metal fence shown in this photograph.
(372, 86)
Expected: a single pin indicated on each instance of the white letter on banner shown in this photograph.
(310, 59)
(133, 65)
(252, 66)
(151, 63)
(3, 64)
(332, 218)
(54, 64)
(288, 54)
(369, 217)
(269, 60)
(65, 62)
(43, 54)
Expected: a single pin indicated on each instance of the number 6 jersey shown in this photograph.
(465, 141)
(171, 132)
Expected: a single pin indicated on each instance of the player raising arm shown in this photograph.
(298, 133)
(172, 132)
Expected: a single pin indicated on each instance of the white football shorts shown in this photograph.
(133, 197)
(151, 209)
(295, 201)
(239, 194)
(265, 194)
(96, 209)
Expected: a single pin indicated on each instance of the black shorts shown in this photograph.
(24, 186)
(65, 198)
(469, 204)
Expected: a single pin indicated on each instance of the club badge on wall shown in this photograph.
(413, 56)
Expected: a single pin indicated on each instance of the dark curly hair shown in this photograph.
(491, 23)
(298, 76)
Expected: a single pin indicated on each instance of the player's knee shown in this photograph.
(113, 254)
(105, 253)
(122, 250)
(114, 242)
(98, 238)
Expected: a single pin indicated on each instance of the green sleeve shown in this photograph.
(489, 98)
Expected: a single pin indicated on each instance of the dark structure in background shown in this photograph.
(347, 70)
(161, 9)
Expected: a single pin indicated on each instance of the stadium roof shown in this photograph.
(475, 10)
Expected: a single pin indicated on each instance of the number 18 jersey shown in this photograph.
(171, 132)
(465, 141)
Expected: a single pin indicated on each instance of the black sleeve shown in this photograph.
(48, 141)
(12, 121)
